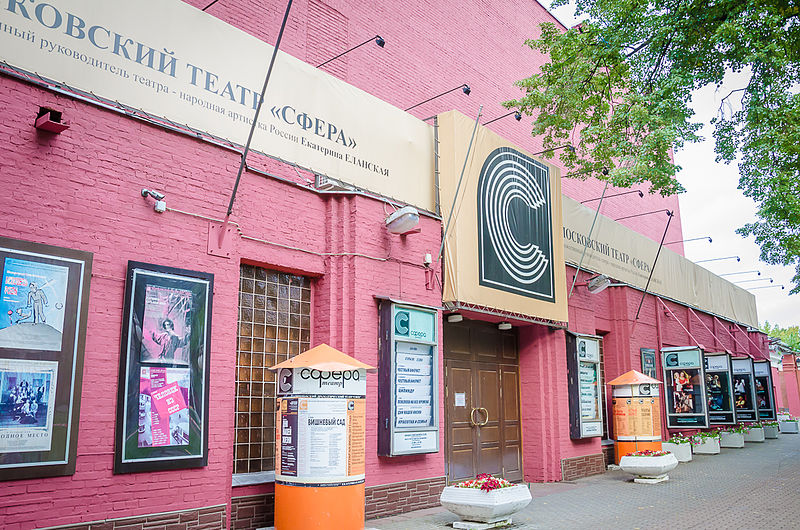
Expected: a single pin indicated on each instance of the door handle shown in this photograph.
(486, 412)
(472, 418)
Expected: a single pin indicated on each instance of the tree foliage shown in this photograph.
(789, 336)
(618, 89)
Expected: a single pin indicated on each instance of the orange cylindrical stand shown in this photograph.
(622, 448)
(334, 508)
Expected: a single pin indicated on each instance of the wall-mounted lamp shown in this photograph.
(756, 280)
(669, 214)
(568, 147)
(686, 240)
(403, 220)
(737, 258)
(504, 326)
(377, 38)
(455, 317)
(740, 272)
(161, 205)
(50, 120)
(615, 195)
(595, 284)
(464, 88)
(766, 287)
(517, 116)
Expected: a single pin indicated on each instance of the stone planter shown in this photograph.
(770, 431)
(733, 440)
(788, 427)
(649, 469)
(707, 446)
(472, 504)
(756, 434)
(682, 452)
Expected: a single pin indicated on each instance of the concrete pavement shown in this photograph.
(752, 488)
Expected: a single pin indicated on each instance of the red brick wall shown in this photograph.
(211, 518)
(583, 466)
(255, 511)
(400, 497)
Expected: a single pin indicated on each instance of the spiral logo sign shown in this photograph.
(514, 225)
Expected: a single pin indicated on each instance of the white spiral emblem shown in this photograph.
(507, 176)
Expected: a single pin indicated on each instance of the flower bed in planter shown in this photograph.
(770, 429)
(732, 437)
(755, 433)
(649, 467)
(680, 446)
(706, 443)
(486, 499)
(788, 426)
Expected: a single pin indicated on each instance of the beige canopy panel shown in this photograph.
(503, 248)
(625, 255)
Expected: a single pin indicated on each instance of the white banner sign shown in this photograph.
(172, 60)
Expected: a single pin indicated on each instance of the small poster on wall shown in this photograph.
(44, 301)
(162, 415)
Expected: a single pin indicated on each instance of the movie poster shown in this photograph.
(27, 399)
(717, 391)
(32, 305)
(683, 391)
(163, 407)
(741, 393)
(166, 327)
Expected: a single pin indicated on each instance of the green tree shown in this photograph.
(618, 88)
(790, 336)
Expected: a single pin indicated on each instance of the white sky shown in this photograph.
(713, 206)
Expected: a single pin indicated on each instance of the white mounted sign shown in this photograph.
(172, 60)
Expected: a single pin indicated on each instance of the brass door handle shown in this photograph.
(486, 412)
(472, 418)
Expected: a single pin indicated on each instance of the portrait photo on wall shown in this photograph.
(717, 390)
(43, 310)
(742, 397)
(684, 392)
(162, 411)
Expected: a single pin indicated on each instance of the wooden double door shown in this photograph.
(482, 413)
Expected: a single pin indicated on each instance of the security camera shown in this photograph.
(154, 194)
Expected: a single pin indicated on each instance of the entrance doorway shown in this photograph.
(483, 432)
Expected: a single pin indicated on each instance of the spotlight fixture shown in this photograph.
(755, 280)
(766, 287)
(517, 116)
(595, 284)
(377, 38)
(455, 317)
(161, 205)
(464, 88)
(740, 272)
(504, 326)
(692, 239)
(403, 220)
(669, 214)
(50, 120)
(737, 258)
(615, 194)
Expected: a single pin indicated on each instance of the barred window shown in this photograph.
(274, 325)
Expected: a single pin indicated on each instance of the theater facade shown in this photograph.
(147, 291)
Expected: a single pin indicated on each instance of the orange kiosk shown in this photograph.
(636, 409)
(319, 439)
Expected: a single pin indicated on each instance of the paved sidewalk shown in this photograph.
(752, 488)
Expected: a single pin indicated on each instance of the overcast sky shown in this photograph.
(713, 206)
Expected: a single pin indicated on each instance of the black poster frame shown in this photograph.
(749, 414)
(191, 359)
(673, 372)
(716, 389)
(765, 381)
(58, 368)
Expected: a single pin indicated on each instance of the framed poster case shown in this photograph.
(585, 391)
(684, 382)
(719, 389)
(649, 362)
(43, 308)
(765, 395)
(408, 380)
(744, 397)
(162, 403)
